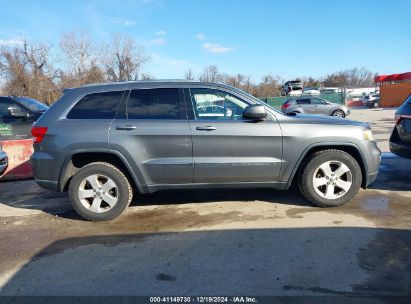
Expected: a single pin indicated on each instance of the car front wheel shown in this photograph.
(338, 113)
(100, 192)
(330, 178)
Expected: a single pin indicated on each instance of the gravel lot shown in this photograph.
(219, 242)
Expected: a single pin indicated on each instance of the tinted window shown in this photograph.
(153, 104)
(5, 104)
(304, 101)
(317, 101)
(32, 104)
(215, 104)
(97, 106)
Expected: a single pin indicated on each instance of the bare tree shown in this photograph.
(311, 82)
(352, 77)
(27, 70)
(236, 81)
(189, 75)
(81, 57)
(146, 76)
(124, 59)
(211, 74)
(269, 87)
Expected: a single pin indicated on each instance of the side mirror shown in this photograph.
(255, 112)
(17, 112)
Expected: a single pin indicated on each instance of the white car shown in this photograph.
(295, 93)
(311, 91)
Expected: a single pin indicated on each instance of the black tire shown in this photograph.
(338, 113)
(124, 191)
(309, 167)
(376, 104)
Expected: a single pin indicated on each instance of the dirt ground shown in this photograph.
(215, 242)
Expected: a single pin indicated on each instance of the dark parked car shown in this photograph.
(372, 101)
(3, 161)
(400, 140)
(17, 115)
(101, 143)
(314, 105)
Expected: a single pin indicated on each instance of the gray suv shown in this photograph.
(102, 143)
(314, 105)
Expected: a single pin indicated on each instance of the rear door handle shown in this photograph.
(206, 128)
(127, 127)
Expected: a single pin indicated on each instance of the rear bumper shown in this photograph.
(398, 146)
(47, 184)
(401, 149)
(45, 170)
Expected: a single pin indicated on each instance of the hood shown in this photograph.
(326, 120)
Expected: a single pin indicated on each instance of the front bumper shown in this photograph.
(373, 159)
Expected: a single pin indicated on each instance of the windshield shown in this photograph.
(32, 104)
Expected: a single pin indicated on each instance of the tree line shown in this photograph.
(40, 70)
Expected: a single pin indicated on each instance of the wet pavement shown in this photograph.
(219, 242)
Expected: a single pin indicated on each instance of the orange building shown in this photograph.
(394, 89)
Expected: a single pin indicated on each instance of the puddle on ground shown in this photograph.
(377, 204)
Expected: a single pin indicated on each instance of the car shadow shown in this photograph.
(305, 262)
(27, 194)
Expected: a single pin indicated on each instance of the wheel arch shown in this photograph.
(79, 158)
(350, 148)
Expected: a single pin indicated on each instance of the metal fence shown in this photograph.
(276, 102)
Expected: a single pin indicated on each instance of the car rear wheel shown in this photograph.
(100, 192)
(338, 113)
(375, 104)
(330, 178)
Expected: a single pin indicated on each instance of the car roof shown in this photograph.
(127, 84)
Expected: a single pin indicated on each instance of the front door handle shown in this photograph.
(126, 127)
(206, 128)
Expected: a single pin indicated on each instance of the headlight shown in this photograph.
(368, 135)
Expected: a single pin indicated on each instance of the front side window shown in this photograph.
(153, 104)
(6, 105)
(216, 105)
(304, 101)
(97, 106)
(317, 101)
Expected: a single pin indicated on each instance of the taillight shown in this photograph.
(399, 118)
(38, 133)
(285, 106)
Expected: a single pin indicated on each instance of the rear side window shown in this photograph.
(97, 106)
(153, 104)
(304, 101)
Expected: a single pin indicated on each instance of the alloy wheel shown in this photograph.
(98, 193)
(332, 180)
